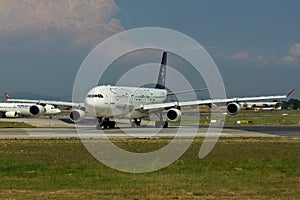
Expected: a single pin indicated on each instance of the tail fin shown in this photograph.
(162, 72)
(289, 94)
(6, 96)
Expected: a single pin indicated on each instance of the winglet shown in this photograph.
(290, 92)
(6, 96)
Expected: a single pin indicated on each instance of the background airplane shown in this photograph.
(135, 103)
(17, 109)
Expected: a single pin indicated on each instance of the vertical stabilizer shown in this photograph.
(162, 72)
(6, 96)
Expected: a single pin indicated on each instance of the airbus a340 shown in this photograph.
(135, 103)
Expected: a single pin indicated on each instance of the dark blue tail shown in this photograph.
(162, 72)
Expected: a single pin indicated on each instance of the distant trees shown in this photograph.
(291, 104)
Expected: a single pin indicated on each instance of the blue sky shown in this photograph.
(255, 44)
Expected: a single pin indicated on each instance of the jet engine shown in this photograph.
(77, 115)
(11, 114)
(173, 115)
(233, 108)
(37, 110)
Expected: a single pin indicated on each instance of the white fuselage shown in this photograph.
(23, 109)
(121, 102)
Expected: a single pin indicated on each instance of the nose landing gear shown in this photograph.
(105, 124)
(135, 123)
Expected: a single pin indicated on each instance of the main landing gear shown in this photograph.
(158, 124)
(161, 123)
(104, 123)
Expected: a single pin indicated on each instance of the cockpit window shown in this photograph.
(95, 96)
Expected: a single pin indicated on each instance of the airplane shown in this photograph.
(135, 103)
(17, 109)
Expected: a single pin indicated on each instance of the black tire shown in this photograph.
(138, 122)
(101, 127)
(166, 124)
(112, 124)
(132, 124)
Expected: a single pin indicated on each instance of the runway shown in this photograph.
(288, 131)
(62, 128)
(149, 132)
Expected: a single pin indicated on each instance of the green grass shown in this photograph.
(283, 117)
(236, 168)
(259, 118)
(267, 117)
(15, 125)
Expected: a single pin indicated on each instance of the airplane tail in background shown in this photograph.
(162, 73)
(6, 96)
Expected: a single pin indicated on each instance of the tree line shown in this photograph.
(291, 104)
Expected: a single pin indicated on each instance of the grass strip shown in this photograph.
(236, 168)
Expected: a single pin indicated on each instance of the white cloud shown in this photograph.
(241, 56)
(86, 22)
(294, 52)
(295, 49)
(288, 60)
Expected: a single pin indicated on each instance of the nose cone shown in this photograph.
(95, 105)
(90, 104)
(95, 101)
(89, 101)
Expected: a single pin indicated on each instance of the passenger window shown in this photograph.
(95, 96)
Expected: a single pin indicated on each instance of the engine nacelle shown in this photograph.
(173, 115)
(37, 110)
(77, 115)
(233, 108)
(11, 114)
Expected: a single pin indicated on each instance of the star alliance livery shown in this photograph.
(135, 103)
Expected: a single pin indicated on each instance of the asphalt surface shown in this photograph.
(62, 128)
(288, 131)
(148, 132)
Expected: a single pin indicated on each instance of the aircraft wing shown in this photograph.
(187, 91)
(57, 103)
(209, 101)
